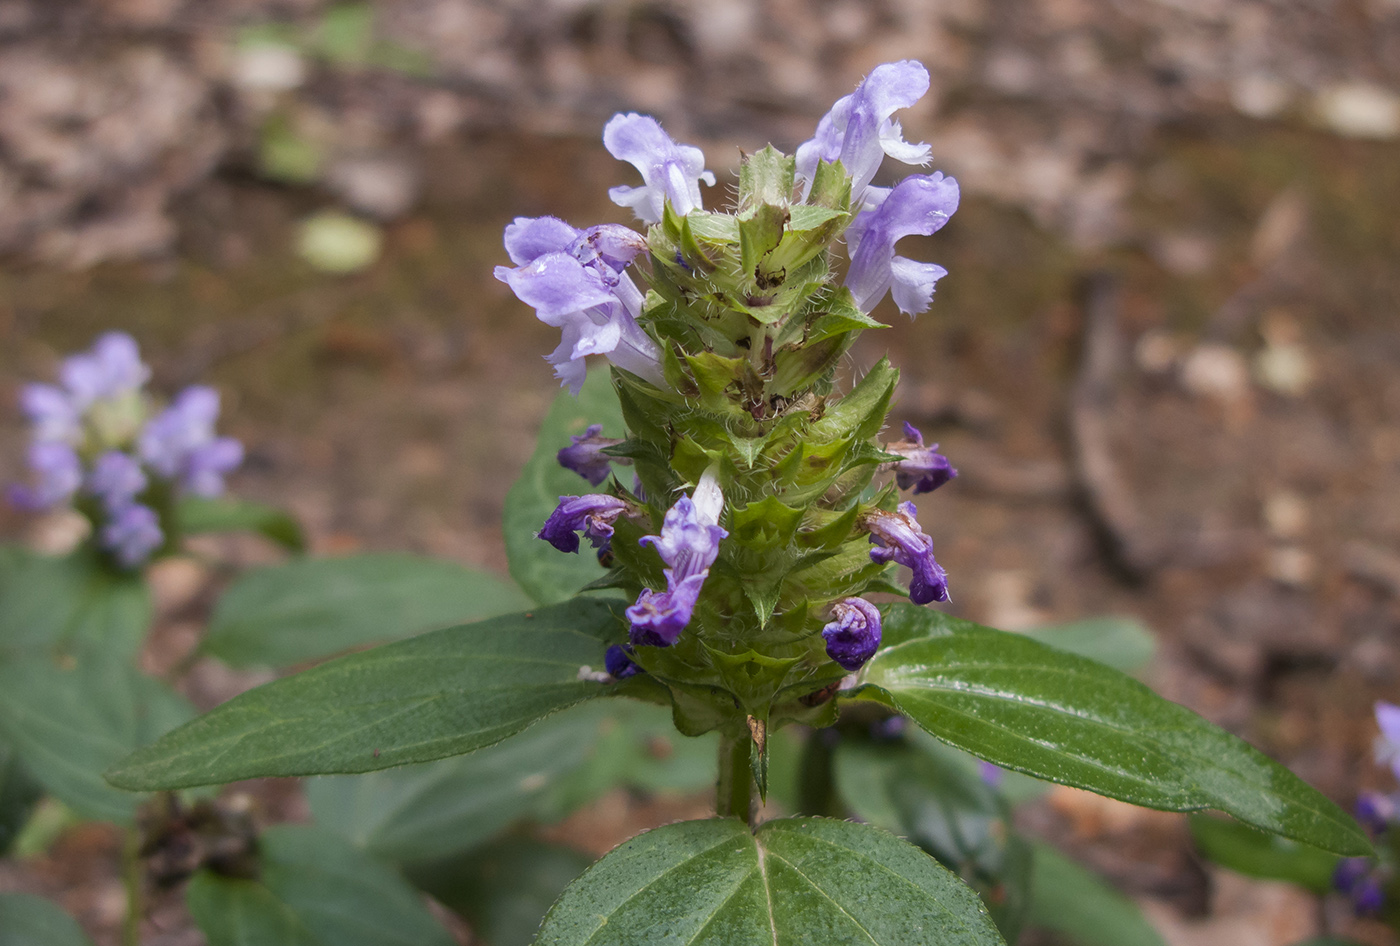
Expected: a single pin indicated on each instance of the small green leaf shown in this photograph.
(793, 881)
(437, 695)
(27, 920)
(1066, 898)
(313, 889)
(69, 603)
(505, 888)
(198, 514)
(1268, 856)
(18, 793)
(1063, 718)
(305, 609)
(69, 725)
(545, 573)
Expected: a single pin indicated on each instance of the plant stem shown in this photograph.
(734, 793)
(818, 785)
(131, 879)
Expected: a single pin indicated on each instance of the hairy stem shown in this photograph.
(734, 793)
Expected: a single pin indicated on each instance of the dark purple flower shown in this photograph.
(688, 544)
(586, 457)
(179, 443)
(619, 663)
(898, 538)
(116, 479)
(853, 633)
(1388, 745)
(923, 467)
(57, 473)
(111, 368)
(592, 514)
(670, 171)
(859, 130)
(1349, 872)
(1375, 811)
(918, 204)
(1368, 897)
(132, 534)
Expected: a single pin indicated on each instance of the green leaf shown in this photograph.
(198, 515)
(70, 724)
(27, 920)
(793, 881)
(1256, 854)
(1122, 643)
(545, 573)
(309, 608)
(313, 889)
(69, 603)
(18, 793)
(1024, 706)
(1068, 899)
(504, 888)
(441, 694)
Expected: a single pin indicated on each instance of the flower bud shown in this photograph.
(922, 468)
(853, 634)
(899, 538)
(585, 455)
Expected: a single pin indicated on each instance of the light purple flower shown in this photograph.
(179, 443)
(1388, 745)
(57, 472)
(670, 171)
(853, 634)
(593, 515)
(116, 479)
(585, 455)
(688, 544)
(619, 663)
(923, 467)
(898, 537)
(859, 130)
(50, 409)
(132, 534)
(111, 368)
(922, 204)
(573, 280)
(992, 775)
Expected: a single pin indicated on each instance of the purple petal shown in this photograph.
(585, 455)
(51, 411)
(919, 204)
(132, 534)
(57, 471)
(899, 538)
(619, 663)
(529, 238)
(112, 367)
(923, 467)
(853, 634)
(670, 171)
(1388, 746)
(116, 479)
(593, 515)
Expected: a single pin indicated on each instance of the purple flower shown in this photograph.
(1369, 897)
(899, 538)
(1349, 872)
(1388, 745)
(992, 775)
(111, 368)
(922, 467)
(132, 534)
(853, 633)
(619, 663)
(1375, 811)
(57, 471)
(922, 204)
(573, 280)
(51, 411)
(669, 171)
(688, 544)
(593, 515)
(859, 130)
(180, 443)
(585, 456)
(116, 479)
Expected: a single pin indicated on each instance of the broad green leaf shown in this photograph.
(1121, 643)
(793, 881)
(305, 609)
(441, 694)
(198, 514)
(503, 889)
(68, 725)
(69, 603)
(1063, 718)
(1256, 854)
(545, 573)
(1068, 899)
(18, 793)
(27, 920)
(313, 889)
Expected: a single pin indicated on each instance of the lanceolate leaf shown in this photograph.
(198, 514)
(27, 920)
(1027, 707)
(313, 889)
(65, 604)
(438, 695)
(68, 725)
(794, 882)
(1066, 898)
(309, 608)
(1256, 854)
(545, 573)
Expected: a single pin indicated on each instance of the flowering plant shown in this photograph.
(737, 581)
